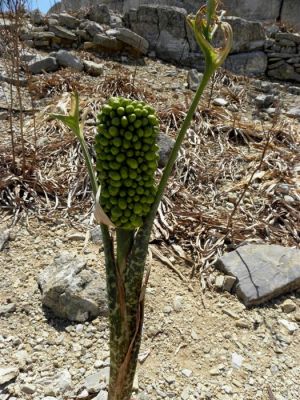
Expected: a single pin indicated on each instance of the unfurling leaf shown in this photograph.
(204, 25)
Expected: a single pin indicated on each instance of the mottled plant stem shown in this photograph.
(125, 313)
(128, 316)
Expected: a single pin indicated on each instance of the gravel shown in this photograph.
(232, 351)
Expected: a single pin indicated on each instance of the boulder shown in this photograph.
(91, 27)
(247, 35)
(99, 13)
(83, 35)
(44, 35)
(116, 21)
(253, 9)
(36, 17)
(165, 29)
(92, 68)
(62, 32)
(67, 59)
(293, 112)
(42, 64)
(108, 42)
(96, 234)
(71, 290)
(168, 34)
(264, 100)
(165, 144)
(290, 13)
(67, 20)
(52, 21)
(7, 308)
(170, 48)
(189, 5)
(132, 39)
(285, 72)
(144, 21)
(172, 43)
(251, 64)
(294, 90)
(7, 374)
(262, 271)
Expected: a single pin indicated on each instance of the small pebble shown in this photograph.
(288, 306)
(220, 102)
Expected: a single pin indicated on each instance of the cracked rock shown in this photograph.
(71, 290)
(7, 374)
(262, 271)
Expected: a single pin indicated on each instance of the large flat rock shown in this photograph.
(262, 271)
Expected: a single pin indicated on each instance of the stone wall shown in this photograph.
(162, 32)
(287, 11)
(283, 53)
(171, 39)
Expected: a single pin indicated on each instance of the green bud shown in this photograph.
(113, 131)
(124, 121)
(120, 111)
(117, 142)
(131, 118)
(116, 121)
(132, 163)
(115, 176)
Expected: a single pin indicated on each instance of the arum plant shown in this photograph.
(127, 199)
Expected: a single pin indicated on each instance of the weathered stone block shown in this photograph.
(253, 64)
(92, 68)
(42, 64)
(285, 72)
(71, 290)
(68, 21)
(108, 42)
(144, 21)
(290, 13)
(67, 59)
(100, 13)
(263, 271)
(247, 35)
(91, 27)
(132, 39)
(253, 9)
(63, 33)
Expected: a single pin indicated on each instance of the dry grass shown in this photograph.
(224, 190)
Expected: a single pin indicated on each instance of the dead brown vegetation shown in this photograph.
(225, 185)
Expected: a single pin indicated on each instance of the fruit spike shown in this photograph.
(127, 157)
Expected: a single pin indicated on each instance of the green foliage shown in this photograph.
(127, 158)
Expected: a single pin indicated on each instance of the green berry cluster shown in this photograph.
(127, 156)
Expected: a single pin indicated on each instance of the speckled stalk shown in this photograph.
(124, 286)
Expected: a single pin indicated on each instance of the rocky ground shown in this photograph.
(196, 346)
(198, 343)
